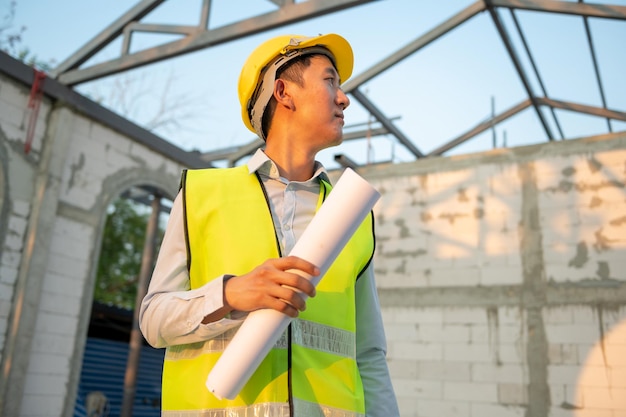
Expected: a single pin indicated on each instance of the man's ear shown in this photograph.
(282, 93)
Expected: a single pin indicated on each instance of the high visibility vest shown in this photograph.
(312, 369)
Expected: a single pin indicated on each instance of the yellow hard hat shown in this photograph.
(256, 81)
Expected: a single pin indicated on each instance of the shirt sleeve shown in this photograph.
(171, 313)
(371, 350)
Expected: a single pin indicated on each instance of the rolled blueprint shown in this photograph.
(350, 201)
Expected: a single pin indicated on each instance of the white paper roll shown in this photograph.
(343, 211)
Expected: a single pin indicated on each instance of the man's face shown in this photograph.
(320, 104)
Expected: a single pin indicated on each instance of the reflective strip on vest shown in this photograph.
(323, 338)
(255, 410)
(301, 409)
(305, 333)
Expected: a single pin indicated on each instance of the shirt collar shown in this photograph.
(262, 164)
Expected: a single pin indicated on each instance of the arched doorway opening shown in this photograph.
(120, 373)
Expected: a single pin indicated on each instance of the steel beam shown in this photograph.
(416, 45)
(280, 3)
(544, 101)
(287, 14)
(345, 161)
(387, 124)
(583, 108)
(245, 150)
(362, 134)
(596, 68)
(205, 12)
(607, 11)
(482, 127)
(518, 66)
(235, 153)
(535, 69)
(159, 28)
(154, 28)
(105, 37)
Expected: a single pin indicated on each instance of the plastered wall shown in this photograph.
(500, 275)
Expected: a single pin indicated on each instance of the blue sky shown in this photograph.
(438, 93)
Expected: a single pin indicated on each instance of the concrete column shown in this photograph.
(34, 261)
(534, 293)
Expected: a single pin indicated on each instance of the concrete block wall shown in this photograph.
(457, 361)
(52, 212)
(502, 280)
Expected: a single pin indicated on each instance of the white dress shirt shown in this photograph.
(171, 313)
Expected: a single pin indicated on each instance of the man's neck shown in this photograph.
(293, 163)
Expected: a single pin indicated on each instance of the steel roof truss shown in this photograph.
(289, 13)
(482, 127)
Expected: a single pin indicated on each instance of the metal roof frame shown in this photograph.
(193, 37)
(198, 37)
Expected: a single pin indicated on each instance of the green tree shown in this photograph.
(121, 253)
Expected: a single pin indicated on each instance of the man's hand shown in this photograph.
(269, 285)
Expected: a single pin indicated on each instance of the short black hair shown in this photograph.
(292, 71)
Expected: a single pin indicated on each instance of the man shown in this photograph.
(224, 255)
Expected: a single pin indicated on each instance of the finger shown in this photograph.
(288, 295)
(297, 282)
(294, 262)
(289, 310)
(282, 306)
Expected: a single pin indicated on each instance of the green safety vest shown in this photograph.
(312, 369)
